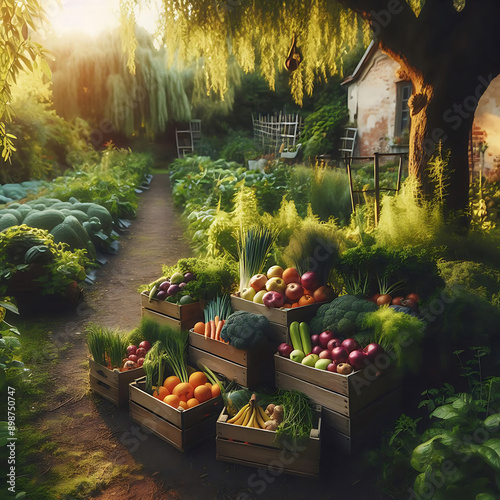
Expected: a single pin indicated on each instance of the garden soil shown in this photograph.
(97, 440)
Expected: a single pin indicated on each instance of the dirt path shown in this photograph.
(101, 442)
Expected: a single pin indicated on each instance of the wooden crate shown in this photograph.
(248, 368)
(112, 385)
(181, 429)
(257, 448)
(345, 394)
(280, 318)
(174, 315)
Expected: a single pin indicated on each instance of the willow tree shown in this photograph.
(91, 80)
(18, 53)
(446, 48)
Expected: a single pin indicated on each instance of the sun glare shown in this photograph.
(91, 17)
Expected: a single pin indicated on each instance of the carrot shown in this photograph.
(212, 329)
(216, 321)
(207, 329)
(219, 328)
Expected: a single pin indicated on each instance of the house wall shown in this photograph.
(487, 126)
(371, 101)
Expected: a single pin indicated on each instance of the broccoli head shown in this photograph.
(343, 315)
(245, 330)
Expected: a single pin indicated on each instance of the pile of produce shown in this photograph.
(286, 288)
(253, 415)
(245, 330)
(216, 312)
(172, 289)
(109, 348)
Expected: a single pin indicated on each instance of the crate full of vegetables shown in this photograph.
(234, 344)
(180, 408)
(283, 436)
(113, 363)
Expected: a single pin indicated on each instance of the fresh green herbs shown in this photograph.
(108, 348)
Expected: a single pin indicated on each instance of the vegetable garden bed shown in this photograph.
(183, 317)
(247, 368)
(112, 384)
(258, 448)
(181, 429)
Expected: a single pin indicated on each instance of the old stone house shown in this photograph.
(377, 99)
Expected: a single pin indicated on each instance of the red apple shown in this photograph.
(357, 359)
(273, 299)
(315, 339)
(325, 354)
(310, 280)
(350, 345)
(141, 352)
(285, 350)
(373, 350)
(323, 294)
(294, 291)
(324, 338)
(131, 349)
(332, 367)
(145, 345)
(290, 275)
(316, 349)
(258, 282)
(333, 343)
(133, 357)
(140, 361)
(339, 354)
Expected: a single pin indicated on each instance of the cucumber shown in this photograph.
(295, 336)
(305, 337)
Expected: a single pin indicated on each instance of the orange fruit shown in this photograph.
(192, 402)
(295, 304)
(171, 382)
(306, 300)
(183, 399)
(183, 389)
(183, 405)
(202, 393)
(160, 393)
(172, 400)
(287, 305)
(209, 385)
(199, 328)
(215, 390)
(197, 378)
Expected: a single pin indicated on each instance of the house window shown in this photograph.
(404, 90)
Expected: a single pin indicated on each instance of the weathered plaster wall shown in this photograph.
(372, 104)
(487, 122)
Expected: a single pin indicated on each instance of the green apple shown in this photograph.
(258, 297)
(322, 363)
(248, 293)
(310, 360)
(274, 272)
(297, 355)
(176, 278)
(276, 285)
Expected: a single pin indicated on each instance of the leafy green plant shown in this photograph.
(10, 347)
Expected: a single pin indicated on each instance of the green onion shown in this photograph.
(219, 306)
(96, 342)
(116, 348)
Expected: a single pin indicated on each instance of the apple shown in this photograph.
(315, 339)
(258, 296)
(176, 278)
(140, 361)
(145, 345)
(248, 293)
(297, 355)
(131, 349)
(182, 285)
(161, 295)
(373, 350)
(322, 364)
(316, 349)
(189, 277)
(323, 294)
(291, 275)
(133, 357)
(258, 282)
(332, 367)
(173, 289)
(357, 359)
(310, 360)
(285, 350)
(141, 352)
(276, 285)
(164, 286)
(350, 345)
(273, 299)
(344, 368)
(275, 272)
(310, 280)
(325, 354)
(324, 338)
(332, 344)
(294, 291)
(339, 354)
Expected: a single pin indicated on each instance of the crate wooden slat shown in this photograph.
(110, 384)
(257, 448)
(182, 429)
(248, 368)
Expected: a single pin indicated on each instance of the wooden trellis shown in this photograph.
(271, 131)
